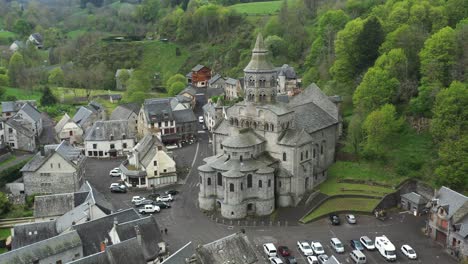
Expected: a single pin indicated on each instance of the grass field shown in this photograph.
(75, 33)
(342, 204)
(6, 37)
(258, 8)
(23, 94)
(4, 233)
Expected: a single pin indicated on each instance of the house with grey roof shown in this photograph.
(448, 221)
(87, 115)
(287, 80)
(128, 112)
(30, 233)
(107, 139)
(172, 121)
(95, 234)
(199, 76)
(10, 108)
(268, 153)
(232, 89)
(18, 135)
(185, 254)
(187, 95)
(413, 202)
(63, 248)
(212, 113)
(36, 39)
(67, 129)
(216, 82)
(55, 169)
(149, 164)
(29, 113)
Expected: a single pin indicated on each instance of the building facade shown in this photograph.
(67, 129)
(18, 135)
(268, 153)
(199, 76)
(110, 138)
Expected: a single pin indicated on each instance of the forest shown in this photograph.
(400, 66)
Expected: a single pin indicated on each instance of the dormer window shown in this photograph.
(124, 136)
(111, 137)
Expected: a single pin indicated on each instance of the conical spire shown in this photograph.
(260, 44)
(260, 61)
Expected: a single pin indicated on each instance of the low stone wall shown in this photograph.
(394, 199)
(365, 182)
(5, 157)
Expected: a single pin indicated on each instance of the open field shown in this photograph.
(23, 94)
(258, 8)
(6, 37)
(342, 204)
(75, 33)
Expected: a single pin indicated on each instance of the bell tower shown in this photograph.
(260, 76)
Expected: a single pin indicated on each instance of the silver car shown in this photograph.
(351, 219)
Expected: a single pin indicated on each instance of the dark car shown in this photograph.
(290, 260)
(334, 219)
(153, 196)
(162, 205)
(357, 245)
(284, 251)
(145, 202)
(172, 192)
(118, 189)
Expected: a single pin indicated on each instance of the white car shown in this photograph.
(275, 260)
(149, 209)
(322, 258)
(200, 119)
(136, 199)
(351, 219)
(312, 260)
(409, 252)
(305, 248)
(115, 172)
(367, 242)
(317, 248)
(270, 250)
(165, 198)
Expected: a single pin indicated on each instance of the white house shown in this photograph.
(67, 129)
(149, 164)
(128, 112)
(109, 139)
(18, 135)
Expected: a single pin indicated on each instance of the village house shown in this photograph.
(87, 115)
(18, 135)
(216, 82)
(30, 233)
(55, 169)
(16, 45)
(67, 129)
(287, 80)
(232, 89)
(448, 221)
(190, 94)
(110, 138)
(30, 114)
(213, 113)
(199, 76)
(36, 39)
(172, 121)
(149, 165)
(10, 108)
(128, 112)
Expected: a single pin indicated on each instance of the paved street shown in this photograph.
(185, 222)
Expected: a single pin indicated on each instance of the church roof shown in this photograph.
(223, 163)
(260, 61)
(294, 137)
(243, 140)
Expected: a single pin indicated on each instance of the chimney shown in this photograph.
(42, 151)
(116, 222)
(103, 246)
(138, 235)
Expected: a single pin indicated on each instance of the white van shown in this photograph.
(270, 249)
(385, 248)
(336, 244)
(358, 257)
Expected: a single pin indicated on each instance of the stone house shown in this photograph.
(16, 45)
(128, 112)
(268, 153)
(216, 82)
(232, 89)
(30, 114)
(30, 233)
(58, 249)
(448, 221)
(212, 113)
(18, 135)
(287, 80)
(189, 93)
(87, 115)
(118, 82)
(10, 108)
(149, 165)
(67, 129)
(199, 76)
(413, 202)
(55, 169)
(110, 138)
(36, 39)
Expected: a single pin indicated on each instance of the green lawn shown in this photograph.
(4, 233)
(17, 211)
(23, 94)
(10, 159)
(76, 33)
(342, 204)
(258, 8)
(7, 37)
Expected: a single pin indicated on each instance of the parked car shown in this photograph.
(312, 260)
(115, 172)
(305, 248)
(336, 244)
(200, 119)
(172, 192)
(149, 209)
(269, 249)
(355, 244)
(367, 242)
(317, 248)
(409, 252)
(144, 202)
(118, 189)
(351, 219)
(275, 260)
(284, 251)
(116, 184)
(153, 196)
(290, 260)
(322, 258)
(165, 198)
(137, 199)
(162, 205)
(334, 219)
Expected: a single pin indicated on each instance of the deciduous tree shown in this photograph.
(16, 68)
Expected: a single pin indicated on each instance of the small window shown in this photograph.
(259, 183)
(90, 153)
(307, 154)
(249, 181)
(284, 156)
(321, 149)
(94, 146)
(124, 136)
(314, 153)
(165, 170)
(209, 181)
(155, 163)
(70, 133)
(231, 187)
(112, 146)
(240, 158)
(51, 165)
(58, 165)
(10, 130)
(101, 154)
(302, 156)
(221, 145)
(220, 179)
(112, 137)
(155, 172)
(242, 186)
(201, 180)
(124, 145)
(269, 183)
(279, 184)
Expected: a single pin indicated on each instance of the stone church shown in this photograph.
(268, 153)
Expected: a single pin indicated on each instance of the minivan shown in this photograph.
(358, 257)
(270, 249)
(337, 245)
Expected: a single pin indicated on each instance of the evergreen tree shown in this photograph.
(16, 68)
(368, 43)
(47, 97)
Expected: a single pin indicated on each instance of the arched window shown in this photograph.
(251, 81)
(242, 186)
(265, 127)
(302, 156)
(236, 122)
(249, 181)
(209, 181)
(284, 156)
(269, 183)
(307, 154)
(201, 180)
(255, 125)
(272, 127)
(321, 149)
(279, 184)
(314, 153)
(231, 121)
(259, 183)
(240, 158)
(231, 187)
(220, 179)
(272, 81)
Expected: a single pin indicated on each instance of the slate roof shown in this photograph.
(214, 79)
(414, 198)
(157, 108)
(452, 199)
(123, 112)
(64, 149)
(222, 163)
(37, 37)
(197, 67)
(103, 130)
(43, 249)
(259, 61)
(189, 90)
(287, 71)
(31, 111)
(82, 115)
(9, 106)
(312, 118)
(20, 128)
(235, 249)
(189, 75)
(461, 213)
(209, 108)
(99, 199)
(53, 205)
(243, 140)
(183, 253)
(30, 233)
(231, 81)
(147, 149)
(313, 94)
(184, 116)
(294, 137)
(94, 232)
(149, 232)
(63, 121)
